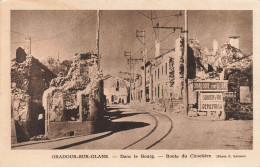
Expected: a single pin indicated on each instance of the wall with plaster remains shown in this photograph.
(78, 96)
(29, 80)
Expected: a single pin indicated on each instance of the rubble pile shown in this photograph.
(225, 57)
(20, 73)
(195, 45)
(56, 66)
(228, 55)
(62, 99)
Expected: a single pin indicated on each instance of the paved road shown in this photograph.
(140, 127)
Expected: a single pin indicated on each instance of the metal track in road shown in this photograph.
(169, 131)
(152, 131)
(159, 119)
(156, 124)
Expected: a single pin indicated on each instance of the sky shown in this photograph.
(66, 32)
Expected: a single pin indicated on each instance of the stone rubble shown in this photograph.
(62, 98)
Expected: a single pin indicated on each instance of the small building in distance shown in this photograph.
(116, 90)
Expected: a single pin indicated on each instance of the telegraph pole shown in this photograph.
(97, 38)
(185, 31)
(186, 94)
(145, 59)
(141, 34)
(128, 54)
(131, 70)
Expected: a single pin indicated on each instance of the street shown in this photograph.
(142, 127)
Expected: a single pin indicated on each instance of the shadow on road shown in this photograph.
(117, 112)
(114, 128)
(122, 126)
(113, 108)
(120, 114)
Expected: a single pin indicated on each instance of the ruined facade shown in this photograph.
(76, 97)
(223, 72)
(229, 64)
(164, 77)
(29, 80)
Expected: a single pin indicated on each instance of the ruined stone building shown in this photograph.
(74, 104)
(29, 80)
(164, 75)
(228, 63)
(222, 72)
(116, 90)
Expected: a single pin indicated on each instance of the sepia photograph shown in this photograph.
(131, 79)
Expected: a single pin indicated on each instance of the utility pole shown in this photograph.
(30, 45)
(128, 54)
(141, 34)
(145, 61)
(131, 70)
(97, 38)
(185, 31)
(186, 93)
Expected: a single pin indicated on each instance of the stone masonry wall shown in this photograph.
(29, 80)
(63, 98)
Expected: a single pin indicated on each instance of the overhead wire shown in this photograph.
(166, 37)
(158, 35)
(142, 26)
(59, 35)
(143, 14)
(164, 16)
(142, 47)
(154, 31)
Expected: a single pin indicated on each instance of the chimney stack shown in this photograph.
(215, 46)
(234, 41)
(27, 47)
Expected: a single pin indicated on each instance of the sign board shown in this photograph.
(245, 94)
(211, 102)
(229, 94)
(210, 85)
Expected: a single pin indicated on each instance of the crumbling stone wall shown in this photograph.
(178, 68)
(29, 80)
(178, 65)
(229, 63)
(57, 66)
(239, 77)
(237, 69)
(78, 96)
(62, 99)
(171, 72)
(20, 113)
